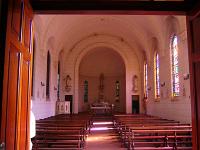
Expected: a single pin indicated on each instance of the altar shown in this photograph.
(101, 108)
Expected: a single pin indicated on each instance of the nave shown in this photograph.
(120, 131)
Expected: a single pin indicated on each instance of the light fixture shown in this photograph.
(186, 76)
(162, 84)
(42, 83)
(149, 88)
(55, 88)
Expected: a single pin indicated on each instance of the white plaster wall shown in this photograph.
(178, 108)
(106, 61)
(43, 109)
(42, 106)
(109, 92)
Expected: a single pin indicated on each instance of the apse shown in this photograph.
(103, 67)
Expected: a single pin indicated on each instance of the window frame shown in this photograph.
(174, 67)
(145, 79)
(58, 81)
(117, 90)
(156, 76)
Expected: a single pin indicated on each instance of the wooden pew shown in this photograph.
(61, 132)
(147, 132)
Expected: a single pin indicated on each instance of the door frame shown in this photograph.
(16, 63)
(193, 58)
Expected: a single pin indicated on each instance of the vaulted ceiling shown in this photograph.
(63, 32)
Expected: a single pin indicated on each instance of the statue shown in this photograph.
(135, 83)
(145, 104)
(68, 83)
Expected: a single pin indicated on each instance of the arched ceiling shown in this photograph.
(68, 30)
(98, 60)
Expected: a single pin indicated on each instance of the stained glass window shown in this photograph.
(117, 90)
(145, 80)
(156, 75)
(85, 91)
(58, 81)
(175, 67)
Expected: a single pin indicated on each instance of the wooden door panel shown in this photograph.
(193, 24)
(27, 27)
(27, 31)
(17, 18)
(196, 33)
(24, 104)
(17, 77)
(13, 98)
(197, 96)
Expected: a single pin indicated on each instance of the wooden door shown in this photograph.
(17, 76)
(193, 24)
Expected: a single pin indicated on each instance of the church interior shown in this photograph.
(83, 47)
(100, 74)
(111, 64)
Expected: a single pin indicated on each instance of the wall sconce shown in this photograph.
(55, 88)
(162, 84)
(186, 76)
(149, 88)
(42, 83)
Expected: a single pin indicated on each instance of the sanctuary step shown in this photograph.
(103, 135)
(111, 132)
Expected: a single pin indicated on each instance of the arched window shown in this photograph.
(58, 81)
(48, 74)
(117, 88)
(145, 80)
(85, 91)
(156, 75)
(175, 67)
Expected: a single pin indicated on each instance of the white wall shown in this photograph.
(106, 61)
(42, 106)
(109, 92)
(178, 108)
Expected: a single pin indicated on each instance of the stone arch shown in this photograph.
(50, 45)
(127, 53)
(172, 26)
(154, 49)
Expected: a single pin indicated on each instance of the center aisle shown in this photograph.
(103, 136)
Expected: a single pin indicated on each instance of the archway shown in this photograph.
(107, 62)
(131, 61)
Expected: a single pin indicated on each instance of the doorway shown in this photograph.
(135, 104)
